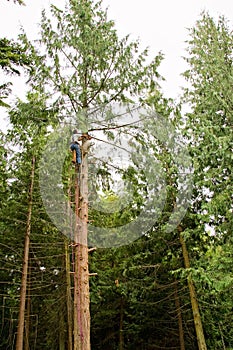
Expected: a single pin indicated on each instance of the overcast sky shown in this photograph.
(161, 25)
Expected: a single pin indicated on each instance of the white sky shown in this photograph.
(161, 25)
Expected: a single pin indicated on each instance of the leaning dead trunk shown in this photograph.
(196, 314)
(23, 290)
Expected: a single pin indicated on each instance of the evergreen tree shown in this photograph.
(209, 125)
(82, 61)
(26, 139)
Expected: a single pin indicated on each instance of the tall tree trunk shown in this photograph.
(180, 323)
(196, 314)
(68, 269)
(85, 297)
(27, 320)
(81, 276)
(68, 298)
(23, 290)
(77, 229)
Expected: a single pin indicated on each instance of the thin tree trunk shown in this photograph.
(223, 343)
(81, 276)
(68, 298)
(180, 323)
(61, 332)
(196, 314)
(27, 320)
(23, 290)
(121, 336)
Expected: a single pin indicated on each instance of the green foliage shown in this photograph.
(210, 123)
(133, 284)
(12, 57)
(81, 58)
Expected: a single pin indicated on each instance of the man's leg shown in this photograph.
(76, 147)
(73, 153)
(78, 154)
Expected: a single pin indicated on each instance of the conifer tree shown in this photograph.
(83, 63)
(209, 127)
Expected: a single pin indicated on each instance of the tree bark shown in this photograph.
(196, 314)
(69, 301)
(81, 275)
(23, 290)
(77, 311)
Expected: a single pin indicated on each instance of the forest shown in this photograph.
(153, 266)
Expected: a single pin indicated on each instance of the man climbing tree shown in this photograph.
(75, 147)
(85, 64)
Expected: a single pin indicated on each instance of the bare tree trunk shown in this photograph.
(27, 320)
(196, 314)
(84, 270)
(69, 301)
(68, 298)
(77, 229)
(81, 276)
(180, 323)
(23, 290)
